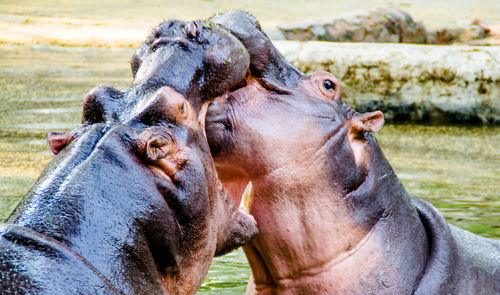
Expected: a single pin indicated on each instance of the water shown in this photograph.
(41, 89)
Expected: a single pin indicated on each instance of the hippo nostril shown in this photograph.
(158, 43)
(227, 124)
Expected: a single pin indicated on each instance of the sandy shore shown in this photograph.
(126, 23)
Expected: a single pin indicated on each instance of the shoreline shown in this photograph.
(111, 24)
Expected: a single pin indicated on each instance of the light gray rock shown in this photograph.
(385, 24)
(409, 82)
(274, 33)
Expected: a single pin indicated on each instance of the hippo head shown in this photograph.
(199, 59)
(133, 190)
(256, 131)
(280, 114)
(157, 160)
(304, 151)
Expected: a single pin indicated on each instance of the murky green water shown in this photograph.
(41, 89)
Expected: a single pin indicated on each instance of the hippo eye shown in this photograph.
(329, 85)
(181, 108)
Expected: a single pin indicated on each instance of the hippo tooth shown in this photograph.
(247, 199)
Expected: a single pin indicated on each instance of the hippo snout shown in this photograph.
(199, 59)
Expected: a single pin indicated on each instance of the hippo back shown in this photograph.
(460, 262)
(479, 262)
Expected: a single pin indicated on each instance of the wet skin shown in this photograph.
(333, 217)
(131, 204)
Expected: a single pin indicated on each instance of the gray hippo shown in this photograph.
(333, 217)
(131, 203)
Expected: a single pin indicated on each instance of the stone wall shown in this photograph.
(411, 83)
(384, 25)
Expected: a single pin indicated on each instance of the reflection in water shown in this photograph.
(41, 90)
(228, 275)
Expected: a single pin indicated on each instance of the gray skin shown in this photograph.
(131, 204)
(333, 217)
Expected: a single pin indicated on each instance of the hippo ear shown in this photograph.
(160, 150)
(367, 122)
(58, 141)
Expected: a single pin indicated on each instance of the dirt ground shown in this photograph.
(125, 23)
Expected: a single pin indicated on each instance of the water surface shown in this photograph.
(41, 89)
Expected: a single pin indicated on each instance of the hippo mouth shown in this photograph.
(221, 117)
(217, 120)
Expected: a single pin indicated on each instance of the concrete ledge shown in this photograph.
(413, 83)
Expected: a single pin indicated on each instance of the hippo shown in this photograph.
(131, 203)
(333, 216)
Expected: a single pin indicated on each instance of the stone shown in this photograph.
(358, 34)
(319, 32)
(385, 24)
(481, 23)
(274, 33)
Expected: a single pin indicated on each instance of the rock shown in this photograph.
(385, 24)
(481, 23)
(413, 83)
(358, 34)
(319, 32)
(473, 32)
(274, 33)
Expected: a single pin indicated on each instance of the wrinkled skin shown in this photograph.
(132, 204)
(333, 217)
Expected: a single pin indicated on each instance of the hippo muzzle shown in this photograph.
(199, 59)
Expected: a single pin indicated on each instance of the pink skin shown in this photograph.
(308, 156)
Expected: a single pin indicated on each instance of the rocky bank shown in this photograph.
(383, 25)
(409, 82)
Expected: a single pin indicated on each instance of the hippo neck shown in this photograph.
(75, 203)
(321, 238)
